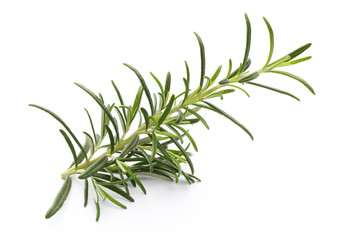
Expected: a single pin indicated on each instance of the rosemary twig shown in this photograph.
(156, 148)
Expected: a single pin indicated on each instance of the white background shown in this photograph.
(299, 179)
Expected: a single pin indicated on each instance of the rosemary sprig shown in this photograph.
(157, 147)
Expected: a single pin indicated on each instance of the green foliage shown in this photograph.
(157, 147)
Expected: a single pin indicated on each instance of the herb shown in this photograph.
(157, 148)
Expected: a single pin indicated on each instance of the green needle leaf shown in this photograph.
(199, 117)
(118, 182)
(91, 123)
(116, 189)
(104, 108)
(113, 200)
(164, 133)
(146, 117)
(118, 93)
(221, 112)
(121, 117)
(147, 92)
(63, 123)
(111, 137)
(234, 86)
(188, 136)
(271, 35)
(136, 104)
(216, 74)
(141, 186)
(180, 116)
(186, 83)
(94, 168)
(158, 82)
(299, 51)
(60, 198)
(274, 89)
(166, 111)
(147, 157)
(296, 61)
(86, 191)
(97, 205)
(71, 146)
(187, 71)
(230, 68)
(130, 146)
(154, 146)
(167, 85)
(296, 78)
(248, 41)
(186, 155)
(202, 57)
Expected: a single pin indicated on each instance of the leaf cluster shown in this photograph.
(112, 159)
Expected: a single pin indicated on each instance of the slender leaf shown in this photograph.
(298, 51)
(221, 112)
(71, 146)
(154, 146)
(248, 41)
(247, 65)
(249, 77)
(60, 198)
(157, 173)
(186, 82)
(130, 146)
(186, 93)
(221, 93)
(121, 117)
(202, 58)
(63, 123)
(178, 135)
(164, 152)
(136, 104)
(186, 155)
(164, 133)
(273, 89)
(91, 123)
(118, 93)
(118, 182)
(180, 116)
(166, 111)
(141, 186)
(296, 78)
(216, 74)
(104, 108)
(188, 136)
(117, 190)
(147, 92)
(113, 200)
(86, 192)
(167, 86)
(97, 205)
(147, 157)
(296, 61)
(89, 143)
(271, 35)
(94, 168)
(158, 82)
(230, 68)
(189, 121)
(146, 117)
(155, 102)
(234, 86)
(111, 137)
(199, 117)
